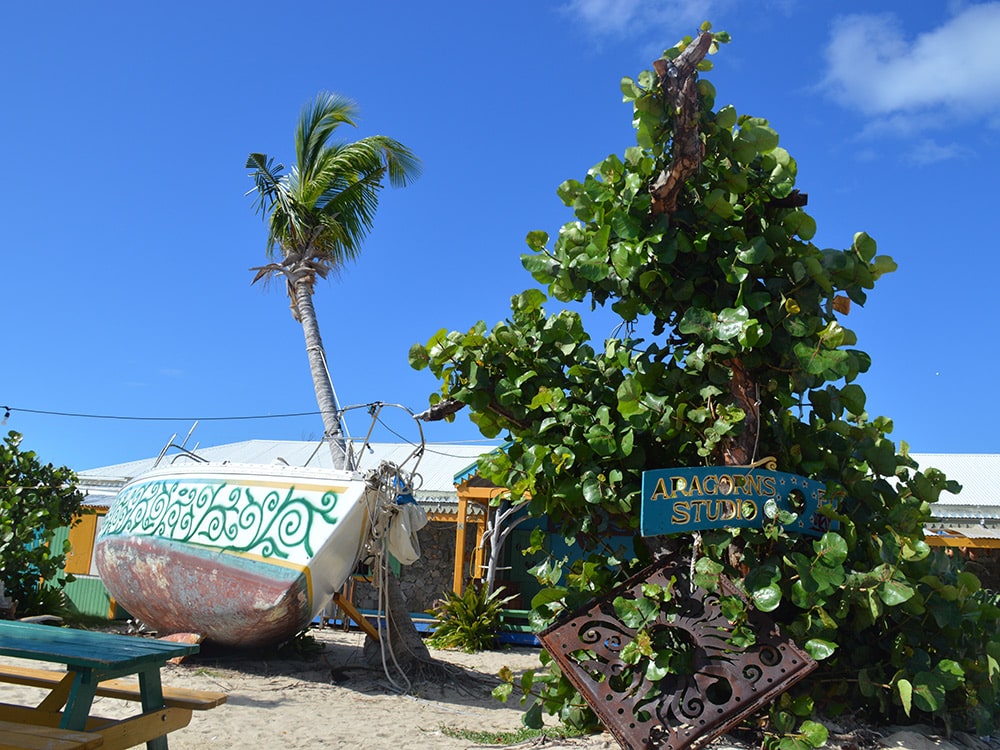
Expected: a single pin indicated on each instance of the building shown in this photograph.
(456, 502)
(970, 520)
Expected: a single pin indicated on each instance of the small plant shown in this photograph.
(468, 621)
(302, 646)
(507, 738)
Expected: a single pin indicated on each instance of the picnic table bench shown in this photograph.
(94, 663)
(15, 736)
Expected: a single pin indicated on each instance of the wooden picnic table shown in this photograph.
(90, 658)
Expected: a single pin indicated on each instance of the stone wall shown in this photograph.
(426, 580)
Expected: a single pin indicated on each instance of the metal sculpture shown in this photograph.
(723, 684)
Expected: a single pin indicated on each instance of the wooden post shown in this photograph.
(478, 556)
(463, 514)
(349, 609)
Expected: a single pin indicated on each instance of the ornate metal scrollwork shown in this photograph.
(723, 684)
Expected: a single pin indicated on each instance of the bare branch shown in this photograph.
(679, 80)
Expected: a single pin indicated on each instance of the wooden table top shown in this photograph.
(85, 648)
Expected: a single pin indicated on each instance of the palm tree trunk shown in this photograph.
(409, 648)
(326, 399)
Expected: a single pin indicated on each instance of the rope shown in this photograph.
(387, 481)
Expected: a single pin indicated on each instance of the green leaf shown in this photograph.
(852, 396)
(803, 705)
(950, 673)
(592, 490)
(697, 321)
(864, 246)
(814, 733)
(601, 440)
(717, 201)
(768, 598)
(537, 240)
(831, 549)
(630, 91)
(819, 649)
(754, 252)
(904, 689)
(894, 593)
(928, 692)
(800, 223)
(726, 117)
(883, 264)
(730, 323)
(533, 716)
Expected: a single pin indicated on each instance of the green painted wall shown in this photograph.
(87, 594)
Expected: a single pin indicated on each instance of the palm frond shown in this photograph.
(403, 165)
(320, 210)
(320, 118)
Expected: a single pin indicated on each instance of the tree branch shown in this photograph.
(679, 81)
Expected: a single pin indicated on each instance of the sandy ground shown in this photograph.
(333, 699)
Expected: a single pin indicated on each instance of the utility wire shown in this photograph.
(8, 409)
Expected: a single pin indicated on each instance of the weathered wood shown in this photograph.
(86, 648)
(194, 700)
(17, 736)
(679, 81)
(345, 604)
(138, 730)
(113, 734)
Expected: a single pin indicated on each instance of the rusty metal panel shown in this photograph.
(723, 685)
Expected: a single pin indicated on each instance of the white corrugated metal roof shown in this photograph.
(440, 464)
(978, 503)
(978, 473)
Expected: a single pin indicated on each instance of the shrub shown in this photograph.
(468, 621)
(35, 500)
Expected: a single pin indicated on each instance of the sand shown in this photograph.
(333, 699)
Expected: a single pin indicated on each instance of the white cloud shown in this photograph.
(620, 17)
(874, 68)
(927, 151)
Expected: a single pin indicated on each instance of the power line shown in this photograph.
(126, 418)
(131, 418)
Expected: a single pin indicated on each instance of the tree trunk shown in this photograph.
(326, 399)
(407, 646)
(741, 450)
(408, 649)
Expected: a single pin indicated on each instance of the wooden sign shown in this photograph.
(675, 501)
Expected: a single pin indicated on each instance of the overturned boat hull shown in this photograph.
(245, 555)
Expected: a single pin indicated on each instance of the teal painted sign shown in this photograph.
(675, 501)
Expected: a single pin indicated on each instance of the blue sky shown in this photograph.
(127, 237)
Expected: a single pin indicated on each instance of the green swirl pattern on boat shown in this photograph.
(238, 517)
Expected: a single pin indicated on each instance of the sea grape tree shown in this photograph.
(35, 500)
(733, 346)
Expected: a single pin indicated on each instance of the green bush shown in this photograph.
(468, 621)
(35, 500)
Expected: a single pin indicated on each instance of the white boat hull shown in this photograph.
(243, 554)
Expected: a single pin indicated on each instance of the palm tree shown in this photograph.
(318, 214)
